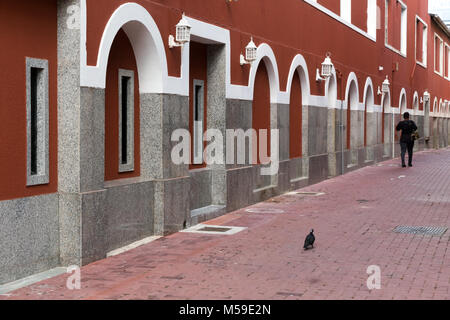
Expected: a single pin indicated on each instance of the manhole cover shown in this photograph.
(428, 231)
(263, 210)
(214, 229)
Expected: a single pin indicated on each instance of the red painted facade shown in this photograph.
(120, 57)
(295, 119)
(261, 110)
(289, 27)
(28, 29)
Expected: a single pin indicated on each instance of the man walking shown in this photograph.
(406, 141)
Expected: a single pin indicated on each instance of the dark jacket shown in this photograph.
(407, 127)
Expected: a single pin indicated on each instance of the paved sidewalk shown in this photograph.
(353, 222)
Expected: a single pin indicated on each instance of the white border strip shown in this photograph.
(198, 227)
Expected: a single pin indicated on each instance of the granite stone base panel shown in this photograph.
(93, 226)
(318, 168)
(129, 213)
(239, 192)
(200, 188)
(284, 179)
(70, 228)
(29, 236)
(115, 217)
(175, 201)
(317, 131)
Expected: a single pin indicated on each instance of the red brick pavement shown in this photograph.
(266, 261)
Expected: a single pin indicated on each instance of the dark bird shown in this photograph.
(309, 241)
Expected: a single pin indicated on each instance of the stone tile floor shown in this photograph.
(353, 222)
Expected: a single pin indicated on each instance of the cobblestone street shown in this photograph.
(354, 222)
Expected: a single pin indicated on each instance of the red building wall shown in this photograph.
(28, 29)
(261, 109)
(120, 57)
(290, 27)
(295, 119)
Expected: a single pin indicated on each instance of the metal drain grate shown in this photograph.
(427, 231)
(214, 229)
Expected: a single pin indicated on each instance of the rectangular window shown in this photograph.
(346, 10)
(126, 120)
(199, 92)
(447, 62)
(37, 101)
(396, 26)
(438, 55)
(421, 42)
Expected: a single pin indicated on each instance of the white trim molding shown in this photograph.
(333, 15)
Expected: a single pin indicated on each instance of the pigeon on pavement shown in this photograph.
(309, 241)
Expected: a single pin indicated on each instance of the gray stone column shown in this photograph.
(216, 116)
(331, 142)
(81, 128)
(161, 114)
(69, 170)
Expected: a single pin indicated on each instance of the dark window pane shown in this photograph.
(34, 75)
(124, 111)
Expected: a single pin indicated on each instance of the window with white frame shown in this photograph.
(341, 10)
(396, 26)
(126, 120)
(198, 127)
(447, 62)
(421, 41)
(373, 15)
(346, 10)
(37, 105)
(438, 55)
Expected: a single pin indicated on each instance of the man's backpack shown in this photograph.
(415, 135)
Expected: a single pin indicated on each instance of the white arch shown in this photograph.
(402, 102)
(369, 97)
(265, 53)
(416, 102)
(352, 82)
(148, 48)
(299, 65)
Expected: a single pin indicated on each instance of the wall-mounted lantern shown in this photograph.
(250, 53)
(385, 85)
(327, 69)
(183, 34)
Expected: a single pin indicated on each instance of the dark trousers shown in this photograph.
(407, 146)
